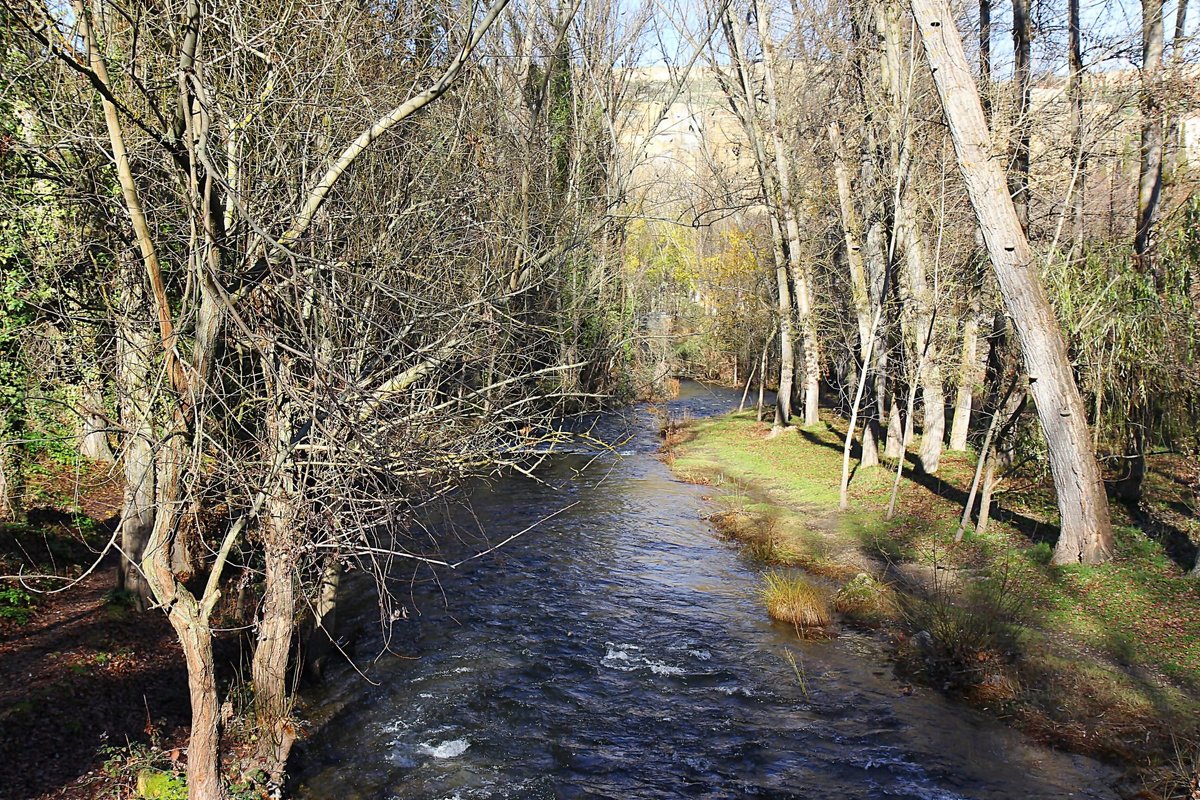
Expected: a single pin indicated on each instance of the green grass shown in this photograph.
(1098, 651)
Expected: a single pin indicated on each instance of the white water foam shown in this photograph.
(624, 657)
(448, 749)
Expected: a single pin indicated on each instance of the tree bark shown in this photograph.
(135, 408)
(1075, 98)
(1150, 178)
(791, 228)
(93, 443)
(269, 668)
(985, 56)
(1086, 529)
(189, 618)
(968, 379)
(852, 236)
(9, 507)
(1022, 73)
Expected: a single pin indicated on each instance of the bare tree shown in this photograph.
(1086, 531)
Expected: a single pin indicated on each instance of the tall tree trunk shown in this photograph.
(1174, 132)
(203, 763)
(9, 505)
(910, 236)
(1151, 174)
(1075, 98)
(985, 56)
(1022, 74)
(277, 618)
(136, 348)
(269, 668)
(796, 269)
(852, 235)
(750, 124)
(189, 618)
(1086, 532)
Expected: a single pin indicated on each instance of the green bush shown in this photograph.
(16, 604)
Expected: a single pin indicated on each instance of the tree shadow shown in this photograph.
(96, 681)
(1033, 529)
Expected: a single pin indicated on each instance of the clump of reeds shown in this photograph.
(793, 599)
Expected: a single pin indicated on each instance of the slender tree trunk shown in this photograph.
(859, 292)
(910, 236)
(272, 702)
(750, 124)
(762, 383)
(1151, 175)
(9, 507)
(985, 56)
(844, 490)
(896, 425)
(189, 619)
(203, 763)
(1022, 74)
(984, 454)
(787, 337)
(1174, 132)
(135, 377)
(791, 228)
(968, 379)
(1086, 532)
(1075, 97)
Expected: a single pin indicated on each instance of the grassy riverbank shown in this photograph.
(1100, 660)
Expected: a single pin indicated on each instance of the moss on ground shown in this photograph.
(1104, 660)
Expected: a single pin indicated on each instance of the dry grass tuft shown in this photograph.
(792, 599)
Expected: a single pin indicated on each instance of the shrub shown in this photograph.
(793, 599)
(864, 598)
(16, 604)
(967, 633)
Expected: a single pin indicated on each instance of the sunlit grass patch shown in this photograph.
(1099, 659)
(793, 599)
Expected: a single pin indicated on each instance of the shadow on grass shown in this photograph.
(1033, 529)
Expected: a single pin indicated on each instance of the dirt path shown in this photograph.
(80, 675)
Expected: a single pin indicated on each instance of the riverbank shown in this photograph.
(1103, 661)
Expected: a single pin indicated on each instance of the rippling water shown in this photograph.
(618, 651)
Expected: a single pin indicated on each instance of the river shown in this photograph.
(618, 650)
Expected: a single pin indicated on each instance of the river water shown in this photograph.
(618, 650)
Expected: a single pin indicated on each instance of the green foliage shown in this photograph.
(865, 598)
(1040, 553)
(155, 784)
(16, 604)
(120, 599)
(1134, 334)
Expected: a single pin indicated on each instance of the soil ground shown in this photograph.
(82, 677)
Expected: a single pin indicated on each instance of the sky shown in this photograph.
(1111, 31)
